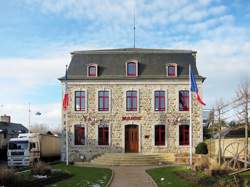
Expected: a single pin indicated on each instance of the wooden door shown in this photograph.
(131, 138)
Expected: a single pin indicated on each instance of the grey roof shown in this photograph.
(12, 128)
(151, 63)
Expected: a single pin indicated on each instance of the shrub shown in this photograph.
(201, 164)
(7, 176)
(201, 148)
(41, 168)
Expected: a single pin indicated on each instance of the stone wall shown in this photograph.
(91, 118)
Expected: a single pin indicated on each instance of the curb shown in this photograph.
(111, 178)
(151, 178)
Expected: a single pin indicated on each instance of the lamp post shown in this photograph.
(37, 114)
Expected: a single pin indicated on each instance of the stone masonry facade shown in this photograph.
(117, 118)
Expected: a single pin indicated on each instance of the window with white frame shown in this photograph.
(103, 134)
(79, 135)
(183, 100)
(132, 68)
(103, 100)
(80, 100)
(159, 100)
(131, 100)
(183, 134)
(160, 135)
(92, 70)
(171, 70)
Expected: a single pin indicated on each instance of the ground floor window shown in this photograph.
(184, 135)
(79, 135)
(159, 135)
(103, 134)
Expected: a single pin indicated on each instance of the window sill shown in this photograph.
(160, 146)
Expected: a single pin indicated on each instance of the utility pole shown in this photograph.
(29, 118)
(219, 121)
(246, 128)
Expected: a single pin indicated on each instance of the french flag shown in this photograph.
(66, 95)
(194, 88)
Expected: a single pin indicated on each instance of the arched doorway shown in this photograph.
(131, 139)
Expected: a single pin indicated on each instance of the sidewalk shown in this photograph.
(131, 176)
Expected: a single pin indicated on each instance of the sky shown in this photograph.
(37, 37)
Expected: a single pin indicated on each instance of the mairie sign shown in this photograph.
(128, 118)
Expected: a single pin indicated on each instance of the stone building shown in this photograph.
(8, 130)
(130, 100)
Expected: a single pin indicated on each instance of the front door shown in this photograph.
(131, 138)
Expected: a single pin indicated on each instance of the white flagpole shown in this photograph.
(190, 118)
(66, 124)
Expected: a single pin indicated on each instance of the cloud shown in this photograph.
(50, 114)
(208, 26)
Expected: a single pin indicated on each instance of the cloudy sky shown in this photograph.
(38, 35)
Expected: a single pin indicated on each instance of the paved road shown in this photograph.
(131, 176)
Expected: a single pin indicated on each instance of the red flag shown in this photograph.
(66, 95)
(65, 101)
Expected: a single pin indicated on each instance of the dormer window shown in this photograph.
(132, 68)
(92, 70)
(172, 70)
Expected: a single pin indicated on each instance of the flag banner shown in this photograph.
(194, 88)
(65, 101)
(66, 95)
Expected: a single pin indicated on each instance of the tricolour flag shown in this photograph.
(66, 95)
(194, 88)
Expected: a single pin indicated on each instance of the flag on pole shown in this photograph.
(194, 88)
(66, 95)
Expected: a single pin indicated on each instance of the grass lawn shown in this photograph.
(170, 178)
(83, 176)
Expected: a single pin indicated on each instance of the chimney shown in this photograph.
(5, 118)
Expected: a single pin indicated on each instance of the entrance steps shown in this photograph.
(135, 159)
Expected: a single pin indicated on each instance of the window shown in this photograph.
(131, 69)
(92, 70)
(183, 100)
(159, 135)
(32, 145)
(159, 100)
(79, 135)
(131, 101)
(80, 100)
(184, 135)
(171, 70)
(103, 100)
(103, 134)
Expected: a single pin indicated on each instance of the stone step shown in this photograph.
(124, 159)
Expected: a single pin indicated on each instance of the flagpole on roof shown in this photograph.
(190, 118)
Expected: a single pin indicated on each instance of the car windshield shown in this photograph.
(18, 145)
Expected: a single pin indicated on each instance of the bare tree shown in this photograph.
(219, 105)
(39, 128)
(243, 96)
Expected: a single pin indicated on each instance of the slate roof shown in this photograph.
(151, 63)
(12, 128)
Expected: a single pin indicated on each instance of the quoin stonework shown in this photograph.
(130, 100)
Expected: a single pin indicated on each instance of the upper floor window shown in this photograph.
(80, 100)
(159, 97)
(103, 100)
(160, 135)
(184, 100)
(103, 134)
(184, 135)
(172, 70)
(132, 69)
(131, 101)
(79, 135)
(92, 70)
